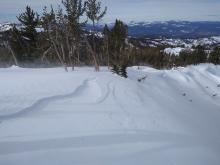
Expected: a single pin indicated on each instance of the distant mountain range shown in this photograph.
(169, 29)
(172, 29)
(174, 36)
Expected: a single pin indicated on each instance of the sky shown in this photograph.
(130, 10)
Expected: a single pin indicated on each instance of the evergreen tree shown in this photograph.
(120, 32)
(115, 69)
(48, 19)
(215, 56)
(29, 20)
(117, 43)
(123, 71)
(106, 30)
(198, 56)
(120, 70)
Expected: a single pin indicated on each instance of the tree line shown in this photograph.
(59, 36)
(63, 39)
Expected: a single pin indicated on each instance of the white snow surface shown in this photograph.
(51, 117)
(5, 27)
(173, 51)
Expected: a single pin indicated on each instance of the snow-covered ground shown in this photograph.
(168, 117)
(173, 51)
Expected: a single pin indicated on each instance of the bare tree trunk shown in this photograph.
(45, 53)
(93, 51)
(107, 51)
(64, 58)
(8, 46)
(70, 48)
(54, 42)
(97, 69)
(72, 58)
(78, 60)
(59, 55)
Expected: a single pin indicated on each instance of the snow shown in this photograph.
(5, 27)
(207, 41)
(49, 116)
(216, 38)
(173, 51)
(39, 29)
(8, 26)
(183, 43)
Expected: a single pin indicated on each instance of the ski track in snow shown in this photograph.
(41, 103)
(129, 119)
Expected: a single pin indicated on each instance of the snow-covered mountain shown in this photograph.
(5, 27)
(175, 35)
(169, 29)
(187, 43)
(175, 46)
(174, 29)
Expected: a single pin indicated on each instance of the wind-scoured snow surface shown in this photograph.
(168, 117)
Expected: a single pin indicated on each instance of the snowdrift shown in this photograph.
(48, 116)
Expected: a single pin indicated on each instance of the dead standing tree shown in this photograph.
(54, 25)
(74, 11)
(8, 46)
(64, 31)
(57, 37)
(94, 13)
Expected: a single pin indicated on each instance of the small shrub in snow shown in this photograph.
(115, 69)
(142, 79)
(123, 71)
(120, 70)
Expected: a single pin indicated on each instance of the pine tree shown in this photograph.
(29, 20)
(120, 70)
(48, 19)
(106, 30)
(117, 43)
(123, 71)
(215, 56)
(198, 56)
(115, 69)
(118, 37)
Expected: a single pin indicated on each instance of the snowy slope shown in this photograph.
(48, 116)
(173, 51)
(5, 27)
